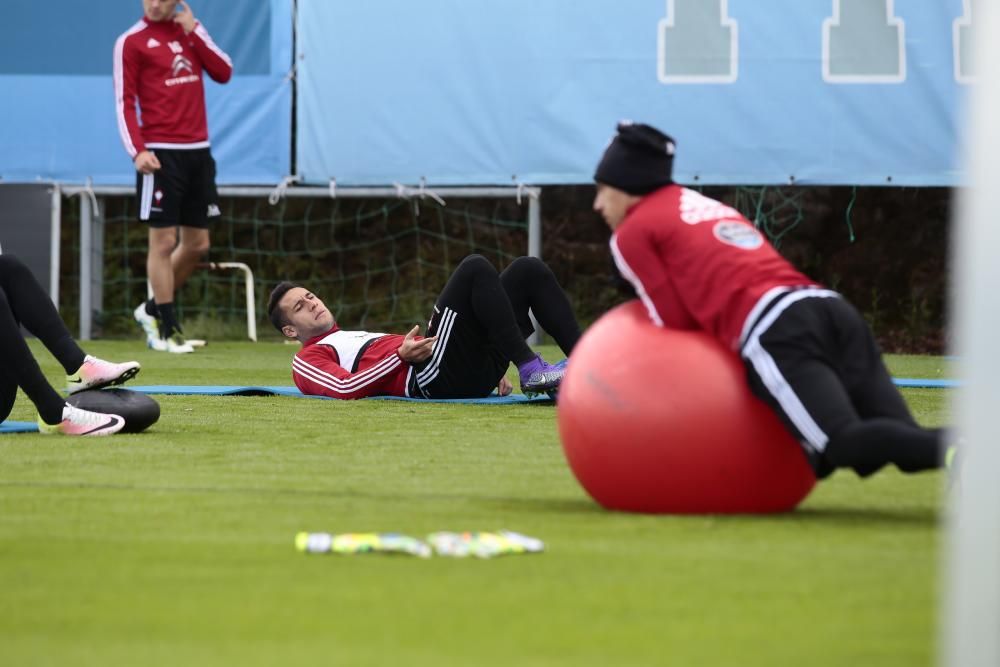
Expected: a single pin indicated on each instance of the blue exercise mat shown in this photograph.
(18, 427)
(228, 390)
(513, 399)
(925, 383)
(217, 390)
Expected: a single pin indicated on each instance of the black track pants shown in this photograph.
(481, 320)
(23, 301)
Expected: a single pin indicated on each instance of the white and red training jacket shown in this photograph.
(351, 364)
(160, 68)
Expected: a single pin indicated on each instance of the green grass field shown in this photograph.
(175, 546)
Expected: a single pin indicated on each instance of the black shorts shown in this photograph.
(813, 359)
(181, 192)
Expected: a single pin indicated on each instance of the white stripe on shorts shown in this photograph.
(146, 196)
(431, 370)
(771, 375)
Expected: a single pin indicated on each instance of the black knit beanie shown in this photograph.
(639, 159)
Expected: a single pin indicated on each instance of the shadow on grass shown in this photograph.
(550, 505)
(861, 517)
(562, 505)
(844, 517)
(857, 516)
(865, 517)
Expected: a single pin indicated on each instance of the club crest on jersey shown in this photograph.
(738, 234)
(158, 196)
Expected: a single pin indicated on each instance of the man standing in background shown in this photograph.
(158, 65)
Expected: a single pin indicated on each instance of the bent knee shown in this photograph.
(197, 248)
(531, 270)
(195, 244)
(475, 264)
(162, 242)
(531, 265)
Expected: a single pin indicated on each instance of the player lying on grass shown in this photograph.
(23, 301)
(698, 264)
(478, 327)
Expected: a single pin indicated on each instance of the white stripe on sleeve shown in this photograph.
(201, 32)
(119, 81)
(355, 383)
(629, 275)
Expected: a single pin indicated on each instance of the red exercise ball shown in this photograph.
(662, 421)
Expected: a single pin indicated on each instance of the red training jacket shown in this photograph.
(698, 264)
(160, 68)
(351, 364)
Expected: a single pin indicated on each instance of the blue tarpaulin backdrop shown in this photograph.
(478, 91)
(463, 92)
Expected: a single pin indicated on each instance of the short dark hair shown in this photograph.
(277, 315)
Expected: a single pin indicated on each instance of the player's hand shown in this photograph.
(185, 17)
(413, 351)
(146, 162)
(504, 387)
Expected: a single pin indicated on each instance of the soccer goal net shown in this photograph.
(377, 256)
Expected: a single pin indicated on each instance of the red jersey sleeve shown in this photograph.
(126, 76)
(316, 371)
(214, 60)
